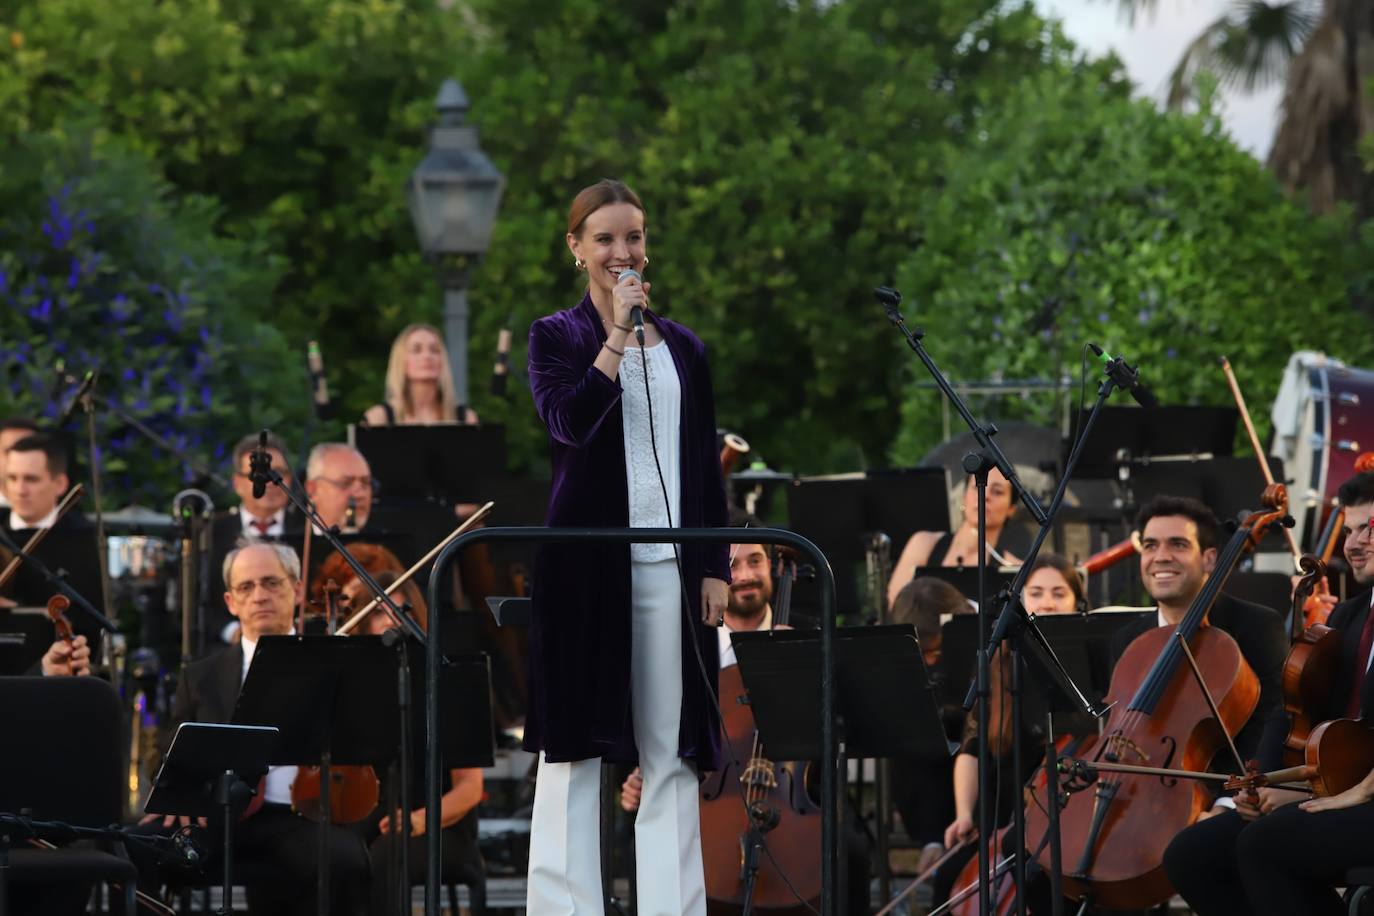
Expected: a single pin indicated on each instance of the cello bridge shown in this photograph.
(759, 774)
(1118, 746)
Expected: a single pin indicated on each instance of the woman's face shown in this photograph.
(1000, 505)
(1047, 592)
(424, 356)
(612, 239)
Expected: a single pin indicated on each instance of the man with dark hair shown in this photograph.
(12, 429)
(35, 481)
(1179, 540)
(1288, 854)
(255, 518)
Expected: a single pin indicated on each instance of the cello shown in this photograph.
(1113, 838)
(752, 797)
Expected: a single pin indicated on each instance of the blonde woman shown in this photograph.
(419, 383)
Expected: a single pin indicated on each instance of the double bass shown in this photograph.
(1113, 836)
(752, 791)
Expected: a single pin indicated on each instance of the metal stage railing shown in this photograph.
(830, 790)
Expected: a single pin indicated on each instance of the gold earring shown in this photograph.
(579, 264)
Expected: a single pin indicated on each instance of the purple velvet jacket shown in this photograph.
(579, 678)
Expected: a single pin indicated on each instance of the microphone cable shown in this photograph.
(712, 688)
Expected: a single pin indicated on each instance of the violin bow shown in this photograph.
(358, 618)
(1259, 453)
(71, 499)
(924, 876)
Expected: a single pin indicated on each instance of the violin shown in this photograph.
(57, 613)
(775, 802)
(353, 790)
(1312, 610)
(1339, 754)
(1113, 838)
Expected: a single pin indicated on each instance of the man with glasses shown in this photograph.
(1288, 853)
(262, 518)
(339, 483)
(261, 586)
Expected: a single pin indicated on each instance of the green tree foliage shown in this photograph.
(782, 150)
(102, 268)
(1150, 234)
(302, 118)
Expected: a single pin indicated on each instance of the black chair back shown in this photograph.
(64, 741)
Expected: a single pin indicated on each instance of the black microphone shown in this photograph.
(260, 466)
(636, 313)
(315, 361)
(1125, 376)
(500, 371)
(86, 384)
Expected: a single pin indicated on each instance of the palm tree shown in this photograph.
(1324, 52)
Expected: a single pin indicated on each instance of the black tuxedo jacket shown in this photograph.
(1259, 633)
(1349, 618)
(207, 691)
(69, 549)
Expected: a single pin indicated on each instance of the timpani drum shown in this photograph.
(1323, 421)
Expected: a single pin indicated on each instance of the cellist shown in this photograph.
(1287, 854)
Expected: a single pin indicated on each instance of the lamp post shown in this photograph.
(454, 194)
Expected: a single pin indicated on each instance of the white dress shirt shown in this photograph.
(727, 648)
(47, 521)
(275, 530)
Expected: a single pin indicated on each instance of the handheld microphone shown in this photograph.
(636, 313)
(1125, 376)
(87, 384)
(500, 371)
(260, 466)
(315, 361)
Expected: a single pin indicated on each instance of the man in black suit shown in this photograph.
(35, 473)
(255, 518)
(1288, 853)
(263, 579)
(1179, 540)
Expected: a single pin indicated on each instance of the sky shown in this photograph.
(1152, 47)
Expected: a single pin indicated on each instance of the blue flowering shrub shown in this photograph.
(1080, 217)
(102, 268)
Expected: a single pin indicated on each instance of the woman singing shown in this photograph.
(621, 634)
(419, 383)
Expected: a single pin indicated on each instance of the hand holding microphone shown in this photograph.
(630, 296)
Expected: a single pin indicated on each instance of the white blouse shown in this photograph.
(647, 509)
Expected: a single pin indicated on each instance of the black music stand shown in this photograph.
(210, 769)
(335, 702)
(25, 635)
(445, 462)
(836, 512)
(1145, 433)
(873, 665)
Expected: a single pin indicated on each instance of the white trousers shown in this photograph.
(565, 847)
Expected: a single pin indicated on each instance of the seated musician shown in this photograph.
(920, 786)
(35, 475)
(750, 608)
(339, 482)
(959, 547)
(1179, 537)
(262, 581)
(1053, 587)
(419, 383)
(255, 518)
(1287, 854)
(462, 785)
(12, 429)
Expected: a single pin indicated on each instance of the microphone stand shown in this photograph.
(1013, 621)
(262, 473)
(148, 432)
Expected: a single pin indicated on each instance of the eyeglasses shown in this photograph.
(270, 584)
(354, 483)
